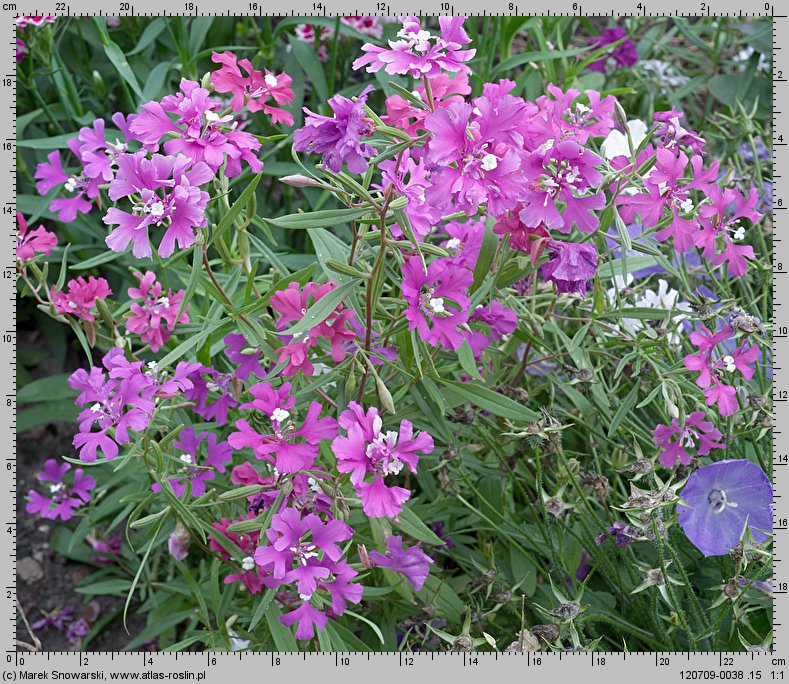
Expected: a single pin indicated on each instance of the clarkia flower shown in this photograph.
(288, 448)
(571, 265)
(713, 370)
(338, 137)
(672, 133)
(81, 297)
(696, 433)
(721, 500)
(246, 359)
(437, 300)
(198, 131)
(252, 90)
(292, 304)
(366, 449)
(623, 55)
(32, 242)
(155, 318)
(63, 498)
(413, 563)
(37, 21)
(168, 195)
(218, 453)
(418, 52)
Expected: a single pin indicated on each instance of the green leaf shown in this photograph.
(54, 143)
(50, 388)
(149, 35)
(537, 56)
(410, 523)
(467, 362)
(621, 267)
(317, 219)
(48, 412)
(283, 638)
(103, 258)
(118, 59)
(624, 408)
(487, 251)
(321, 309)
(487, 399)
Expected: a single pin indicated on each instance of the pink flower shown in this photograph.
(696, 433)
(413, 563)
(63, 499)
(712, 371)
(437, 300)
(308, 618)
(672, 133)
(252, 90)
(155, 318)
(338, 138)
(192, 472)
(289, 448)
(465, 241)
(236, 347)
(81, 297)
(571, 266)
(445, 89)
(21, 50)
(292, 304)
(500, 320)
(252, 577)
(169, 197)
(530, 240)
(720, 222)
(197, 132)
(419, 53)
(367, 450)
(25, 21)
(178, 545)
(30, 243)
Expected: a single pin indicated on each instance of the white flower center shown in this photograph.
(156, 209)
(271, 80)
(186, 458)
(279, 415)
(437, 304)
(211, 117)
(248, 564)
(730, 365)
(454, 243)
(489, 162)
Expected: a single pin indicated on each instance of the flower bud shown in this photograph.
(299, 181)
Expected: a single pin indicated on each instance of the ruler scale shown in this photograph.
(461, 667)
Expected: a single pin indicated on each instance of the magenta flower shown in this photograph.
(437, 300)
(252, 90)
(475, 161)
(212, 392)
(338, 138)
(563, 171)
(37, 21)
(530, 240)
(571, 266)
(560, 116)
(367, 450)
(169, 196)
(623, 55)
(289, 448)
(64, 498)
(465, 241)
(81, 297)
(292, 304)
(719, 224)
(413, 563)
(156, 317)
(410, 179)
(418, 52)
(696, 433)
(236, 350)
(445, 89)
(713, 372)
(671, 132)
(51, 173)
(197, 132)
(120, 398)
(192, 472)
(622, 534)
(21, 50)
(251, 576)
(720, 500)
(32, 242)
(499, 319)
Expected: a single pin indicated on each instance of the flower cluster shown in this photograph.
(63, 498)
(714, 369)
(155, 318)
(696, 433)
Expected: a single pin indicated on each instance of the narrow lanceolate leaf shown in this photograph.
(321, 310)
(119, 61)
(318, 219)
(486, 399)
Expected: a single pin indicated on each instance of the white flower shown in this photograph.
(437, 304)
(616, 145)
(279, 415)
(489, 162)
